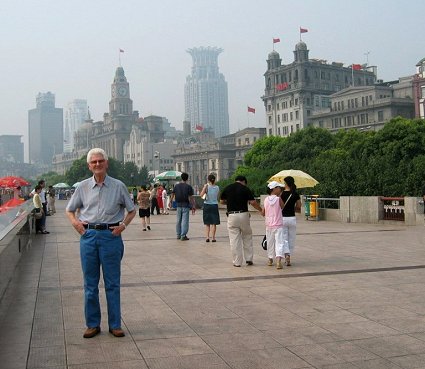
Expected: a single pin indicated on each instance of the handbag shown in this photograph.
(204, 196)
(38, 214)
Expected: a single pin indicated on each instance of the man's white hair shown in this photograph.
(96, 151)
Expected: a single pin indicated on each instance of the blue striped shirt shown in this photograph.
(101, 204)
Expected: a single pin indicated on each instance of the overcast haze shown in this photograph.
(71, 48)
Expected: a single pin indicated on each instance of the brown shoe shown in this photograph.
(288, 260)
(91, 332)
(118, 332)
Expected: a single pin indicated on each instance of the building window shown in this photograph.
(297, 127)
(297, 114)
(380, 115)
(270, 134)
(247, 141)
(269, 108)
(278, 118)
(270, 120)
(296, 102)
(308, 113)
(291, 116)
(278, 131)
(278, 106)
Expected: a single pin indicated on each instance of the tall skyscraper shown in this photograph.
(11, 148)
(206, 101)
(76, 114)
(45, 130)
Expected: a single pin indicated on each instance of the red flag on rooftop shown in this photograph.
(356, 66)
(303, 30)
(199, 128)
(276, 40)
(121, 50)
(251, 110)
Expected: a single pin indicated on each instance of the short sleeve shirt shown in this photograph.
(101, 204)
(237, 196)
(289, 209)
(182, 191)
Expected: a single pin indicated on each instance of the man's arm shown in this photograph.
(254, 204)
(76, 223)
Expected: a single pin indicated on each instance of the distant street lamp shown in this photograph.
(157, 155)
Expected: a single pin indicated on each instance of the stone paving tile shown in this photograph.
(273, 358)
(42, 357)
(316, 355)
(222, 326)
(205, 361)
(390, 346)
(244, 342)
(127, 364)
(302, 335)
(173, 347)
(406, 325)
(375, 364)
(410, 361)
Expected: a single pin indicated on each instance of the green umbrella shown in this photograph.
(168, 175)
(61, 185)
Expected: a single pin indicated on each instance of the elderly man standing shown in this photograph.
(102, 201)
(237, 196)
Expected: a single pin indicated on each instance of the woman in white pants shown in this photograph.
(292, 204)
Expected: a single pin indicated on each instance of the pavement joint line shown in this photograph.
(248, 278)
(254, 235)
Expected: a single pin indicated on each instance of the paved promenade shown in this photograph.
(353, 298)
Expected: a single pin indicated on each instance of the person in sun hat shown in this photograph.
(273, 205)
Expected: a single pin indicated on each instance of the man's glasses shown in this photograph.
(94, 162)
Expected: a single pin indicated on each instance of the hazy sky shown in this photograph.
(71, 48)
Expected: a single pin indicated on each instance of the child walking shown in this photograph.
(272, 212)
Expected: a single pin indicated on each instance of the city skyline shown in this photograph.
(72, 49)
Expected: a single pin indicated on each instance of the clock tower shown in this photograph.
(120, 103)
(115, 129)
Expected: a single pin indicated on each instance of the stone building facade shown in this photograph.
(295, 90)
(419, 89)
(201, 156)
(367, 107)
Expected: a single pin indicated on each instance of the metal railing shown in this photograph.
(393, 208)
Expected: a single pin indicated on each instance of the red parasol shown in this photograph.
(12, 181)
(11, 204)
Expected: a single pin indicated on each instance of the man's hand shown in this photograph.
(117, 230)
(79, 227)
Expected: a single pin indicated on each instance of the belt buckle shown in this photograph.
(98, 226)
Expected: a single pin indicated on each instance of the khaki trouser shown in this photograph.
(240, 235)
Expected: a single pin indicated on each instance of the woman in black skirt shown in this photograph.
(211, 216)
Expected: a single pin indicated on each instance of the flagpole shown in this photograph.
(247, 115)
(300, 34)
(352, 75)
(119, 57)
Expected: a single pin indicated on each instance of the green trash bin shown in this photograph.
(306, 207)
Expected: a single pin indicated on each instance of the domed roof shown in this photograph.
(301, 46)
(274, 55)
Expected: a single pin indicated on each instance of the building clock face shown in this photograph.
(122, 91)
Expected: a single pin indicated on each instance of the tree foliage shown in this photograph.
(389, 162)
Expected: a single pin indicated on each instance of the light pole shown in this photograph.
(157, 155)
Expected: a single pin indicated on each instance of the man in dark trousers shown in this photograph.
(237, 196)
(183, 194)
